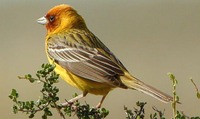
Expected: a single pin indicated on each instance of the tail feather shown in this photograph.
(136, 84)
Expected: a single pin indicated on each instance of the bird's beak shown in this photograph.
(42, 20)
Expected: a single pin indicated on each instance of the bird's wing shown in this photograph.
(83, 60)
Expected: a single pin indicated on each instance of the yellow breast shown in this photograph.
(83, 84)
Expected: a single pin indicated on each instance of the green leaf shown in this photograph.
(31, 115)
(198, 95)
(14, 93)
(68, 110)
(15, 109)
(171, 76)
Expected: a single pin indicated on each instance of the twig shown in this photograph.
(194, 85)
(197, 90)
(175, 97)
(160, 113)
(59, 111)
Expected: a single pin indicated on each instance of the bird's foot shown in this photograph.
(67, 103)
(98, 105)
(71, 101)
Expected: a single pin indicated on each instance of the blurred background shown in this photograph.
(150, 37)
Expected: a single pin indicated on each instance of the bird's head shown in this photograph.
(62, 17)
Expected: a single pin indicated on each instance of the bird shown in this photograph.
(83, 61)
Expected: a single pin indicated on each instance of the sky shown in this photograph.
(150, 37)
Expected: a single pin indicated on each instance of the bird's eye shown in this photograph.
(51, 18)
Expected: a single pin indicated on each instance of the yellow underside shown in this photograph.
(83, 84)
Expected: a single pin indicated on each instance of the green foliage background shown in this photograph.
(49, 100)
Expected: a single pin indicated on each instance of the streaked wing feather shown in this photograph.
(84, 61)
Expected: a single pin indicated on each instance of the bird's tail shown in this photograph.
(134, 83)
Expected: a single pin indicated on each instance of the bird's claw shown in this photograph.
(67, 103)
